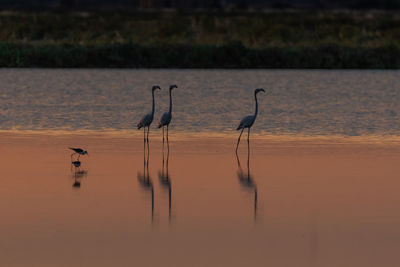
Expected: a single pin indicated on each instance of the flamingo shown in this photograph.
(165, 119)
(248, 121)
(148, 118)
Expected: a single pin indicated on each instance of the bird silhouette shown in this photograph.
(166, 118)
(147, 119)
(248, 121)
(78, 151)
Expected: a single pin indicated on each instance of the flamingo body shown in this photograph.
(246, 122)
(146, 120)
(165, 119)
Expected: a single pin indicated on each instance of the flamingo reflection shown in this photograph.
(144, 178)
(246, 180)
(165, 178)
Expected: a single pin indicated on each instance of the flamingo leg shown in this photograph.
(167, 155)
(167, 133)
(148, 130)
(248, 152)
(163, 147)
(162, 170)
(238, 161)
(248, 137)
(163, 136)
(255, 203)
(144, 157)
(248, 159)
(237, 145)
(152, 204)
(148, 156)
(169, 202)
(144, 134)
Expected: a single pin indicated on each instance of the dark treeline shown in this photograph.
(203, 4)
(275, 39)
(235, 55)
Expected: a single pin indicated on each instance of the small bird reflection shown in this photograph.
(145, 179)
(165, 178)
(247, 180)
(77, 175)
(76, 164)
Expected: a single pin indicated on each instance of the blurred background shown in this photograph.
(202, 4)
(355, 34)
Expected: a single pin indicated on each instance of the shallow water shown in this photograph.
(297, 102)
(304, 204)
(318, 188)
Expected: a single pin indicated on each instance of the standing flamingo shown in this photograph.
(248, 121)
(165, 119)
(148, 118)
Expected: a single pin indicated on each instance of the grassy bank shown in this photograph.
(232, 40)
(186, 56)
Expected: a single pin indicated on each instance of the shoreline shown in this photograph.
(227, 56)
(208, 136)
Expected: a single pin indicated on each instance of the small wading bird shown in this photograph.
(165, 119)
(78, 151)
(248, 121)
(148, 118)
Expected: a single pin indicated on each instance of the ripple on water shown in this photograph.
(311, 102)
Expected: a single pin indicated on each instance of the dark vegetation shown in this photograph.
(275, 39)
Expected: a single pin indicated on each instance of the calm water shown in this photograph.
(289, 202)
(298, 204)
(349, 103)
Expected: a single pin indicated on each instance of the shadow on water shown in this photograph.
(145, 179)
(247, 180)
(165, 179)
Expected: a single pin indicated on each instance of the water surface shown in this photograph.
(297, 102)
(298, 204)
(318, 187)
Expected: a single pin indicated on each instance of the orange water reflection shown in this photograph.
(317, 204)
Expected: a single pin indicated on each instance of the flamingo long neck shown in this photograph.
(255, 113)
(170, 101)
(152, 109)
